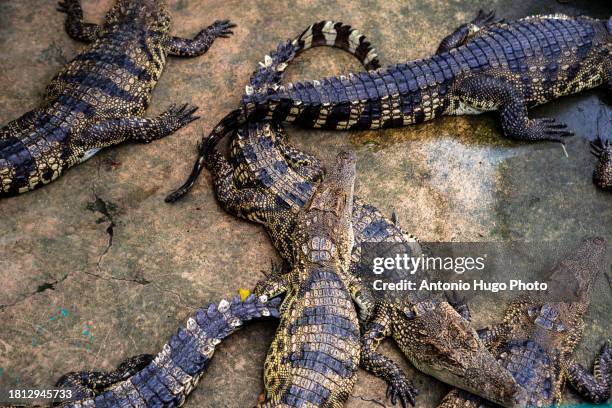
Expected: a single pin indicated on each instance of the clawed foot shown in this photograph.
(71, 7)
(545, 129)
(401, 388)
(598, 146)
(485, 18)
(222, 29)
(181, 115)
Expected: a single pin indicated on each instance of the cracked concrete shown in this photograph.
(77, 295)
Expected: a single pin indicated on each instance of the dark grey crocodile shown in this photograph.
(507, 67)
(98, 99)
(315, 354)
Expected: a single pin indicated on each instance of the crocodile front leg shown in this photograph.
(483, 92)
(186, 47)
(113, 131)
(465, 31)
(274, 284)
(593, 387)
(86, 384)
(399, 386)
(75, 27)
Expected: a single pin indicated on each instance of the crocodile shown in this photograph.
(167, 379)
(537, 338)
(98, 99)
(602, 176)
(315, 354)
(497, 66)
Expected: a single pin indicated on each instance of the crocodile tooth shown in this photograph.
(267, 60)
(249, 89)
(263, 298)
(281, 66)
(265, 311)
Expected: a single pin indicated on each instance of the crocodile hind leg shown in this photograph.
(85, 384)
(186, 47)
(247, 203)
(399, 386)
(593, 387)
(465, 31)
(75, 27)
(482, 92)
(113, 131)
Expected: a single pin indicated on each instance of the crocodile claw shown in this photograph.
(183, 114)
(549, 129)
(598, 145)
(70, 7)
(401, 388)
(222, 28)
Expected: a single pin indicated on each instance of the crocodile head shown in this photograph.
(553, 321)
(602, 176)
(439, 342)
(324, 230)
(150, 14)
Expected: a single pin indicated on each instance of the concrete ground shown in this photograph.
(96, 267)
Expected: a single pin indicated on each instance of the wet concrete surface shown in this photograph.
(96, 267)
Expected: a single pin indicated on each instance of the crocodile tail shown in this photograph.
(207, 146)
(342, 36)
(324, 33)
(169, 377)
